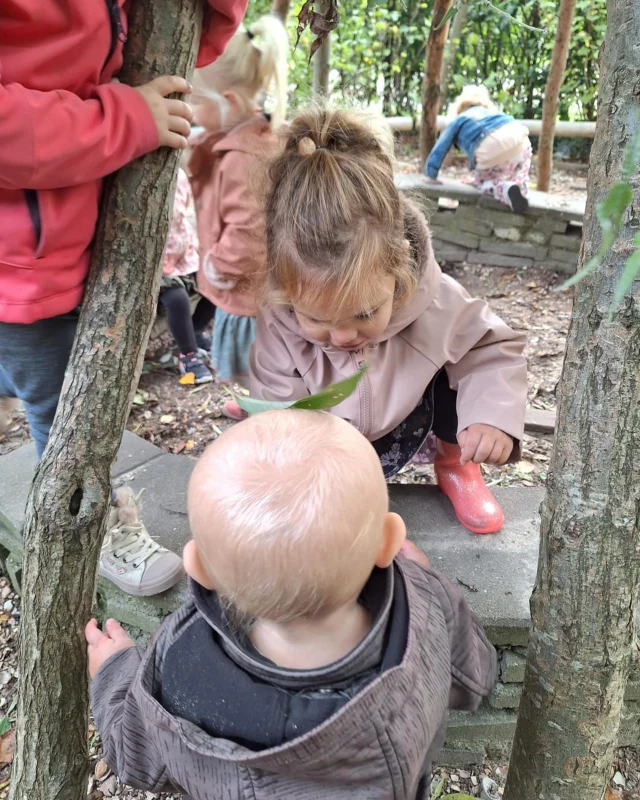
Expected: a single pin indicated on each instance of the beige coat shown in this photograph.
(442, 326)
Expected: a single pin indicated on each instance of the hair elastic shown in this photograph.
(321, 147)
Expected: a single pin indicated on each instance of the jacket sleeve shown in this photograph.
(50, 140)
(473, 657)
(128, 749)
(221, 20)
(272, 371)
(240, 251)
(484, 361)
(441, 148)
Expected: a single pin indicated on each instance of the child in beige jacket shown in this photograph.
(351, 280)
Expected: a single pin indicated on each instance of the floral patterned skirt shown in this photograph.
(398, 447)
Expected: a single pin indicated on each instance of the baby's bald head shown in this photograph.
(288, 512)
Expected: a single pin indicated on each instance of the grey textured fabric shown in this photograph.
(377, 747)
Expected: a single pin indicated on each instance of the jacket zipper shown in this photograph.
(117, 31)
(33, 205)
(365, 398)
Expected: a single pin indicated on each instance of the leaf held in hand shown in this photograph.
(326, 398)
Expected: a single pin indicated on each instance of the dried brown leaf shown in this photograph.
(7, 746)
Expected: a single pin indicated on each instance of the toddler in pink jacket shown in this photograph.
(351, 280)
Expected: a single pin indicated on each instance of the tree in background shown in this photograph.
(431, 92)
(585, 602)
(451, 51)
(281, 9)
(69, 500)
(552, 92)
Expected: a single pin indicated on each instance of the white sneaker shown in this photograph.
(7, 405)
(130, 558)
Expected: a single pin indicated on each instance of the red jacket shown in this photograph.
(63, 127)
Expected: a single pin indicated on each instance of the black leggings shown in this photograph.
(177, 306)
(445, 416)
(204, 313)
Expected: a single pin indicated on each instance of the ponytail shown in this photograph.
(254, 63)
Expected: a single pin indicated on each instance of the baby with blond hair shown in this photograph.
(311, 648)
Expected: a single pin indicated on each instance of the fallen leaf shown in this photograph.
(610, 794)
(167, 419)
(188, 380)
(5, 677)
(7, 746)
(178, 447)
(189, 445)
(525, 467)
(101, 769)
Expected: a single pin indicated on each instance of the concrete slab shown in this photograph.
(18, 467)
(501, 568)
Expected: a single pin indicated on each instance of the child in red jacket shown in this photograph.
(65, 125)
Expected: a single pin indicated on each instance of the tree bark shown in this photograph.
(552, 93)
(281, 9)
(585, 600)
(451, 51)
(69, 499)
(431, 88)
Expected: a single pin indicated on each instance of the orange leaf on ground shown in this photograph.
(7, 746)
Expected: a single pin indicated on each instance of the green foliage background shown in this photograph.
(379, 47)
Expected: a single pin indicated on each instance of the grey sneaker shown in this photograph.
(130, 558)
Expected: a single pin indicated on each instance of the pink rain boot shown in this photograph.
(474, 505)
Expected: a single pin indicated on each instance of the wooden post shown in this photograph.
(451, 51)
(585, 602)
(552, 93)
(431, 87)
(69, 500)
(322, 63)
(281, 9)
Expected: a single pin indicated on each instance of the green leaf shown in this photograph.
(631, 156)
(5, 725)
(582, 273)
(630, 273)
(612, 209)
(332, 395)
(254, 406)
(449, 15)
(326, 398)
(437, 792)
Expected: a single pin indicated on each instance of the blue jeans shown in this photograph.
(33, 359)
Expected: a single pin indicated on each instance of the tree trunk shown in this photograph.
(69, 499)
(586, 596)
(281, 9)
(451, 51)
(431, 87)
(552, 92)
(322, 62)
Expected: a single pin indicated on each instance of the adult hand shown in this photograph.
(172, 117)
(103, 645)
(484, 444)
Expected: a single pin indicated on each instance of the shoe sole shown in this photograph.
(147, 591)
(519, 202)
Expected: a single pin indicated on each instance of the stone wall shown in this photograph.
(471, 228)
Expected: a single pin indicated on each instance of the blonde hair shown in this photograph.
(254, 62)
(287, 510)
(334, 217)
(471, 96)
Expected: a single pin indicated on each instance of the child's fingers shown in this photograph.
(468, 441)
(495, 457)
(483, 450)
(178, 108)
(171, 84)
(116, 631)
(175, 141)
(92, 633)
(506, 452)
(179, 125)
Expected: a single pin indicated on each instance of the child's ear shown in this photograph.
(393, 536)
(194, 567)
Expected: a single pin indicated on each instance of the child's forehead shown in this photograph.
(331, 305)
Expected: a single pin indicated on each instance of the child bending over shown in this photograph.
(223, 166)
(310, 662)
(352, 280)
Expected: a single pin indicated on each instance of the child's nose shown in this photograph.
(344, 336)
